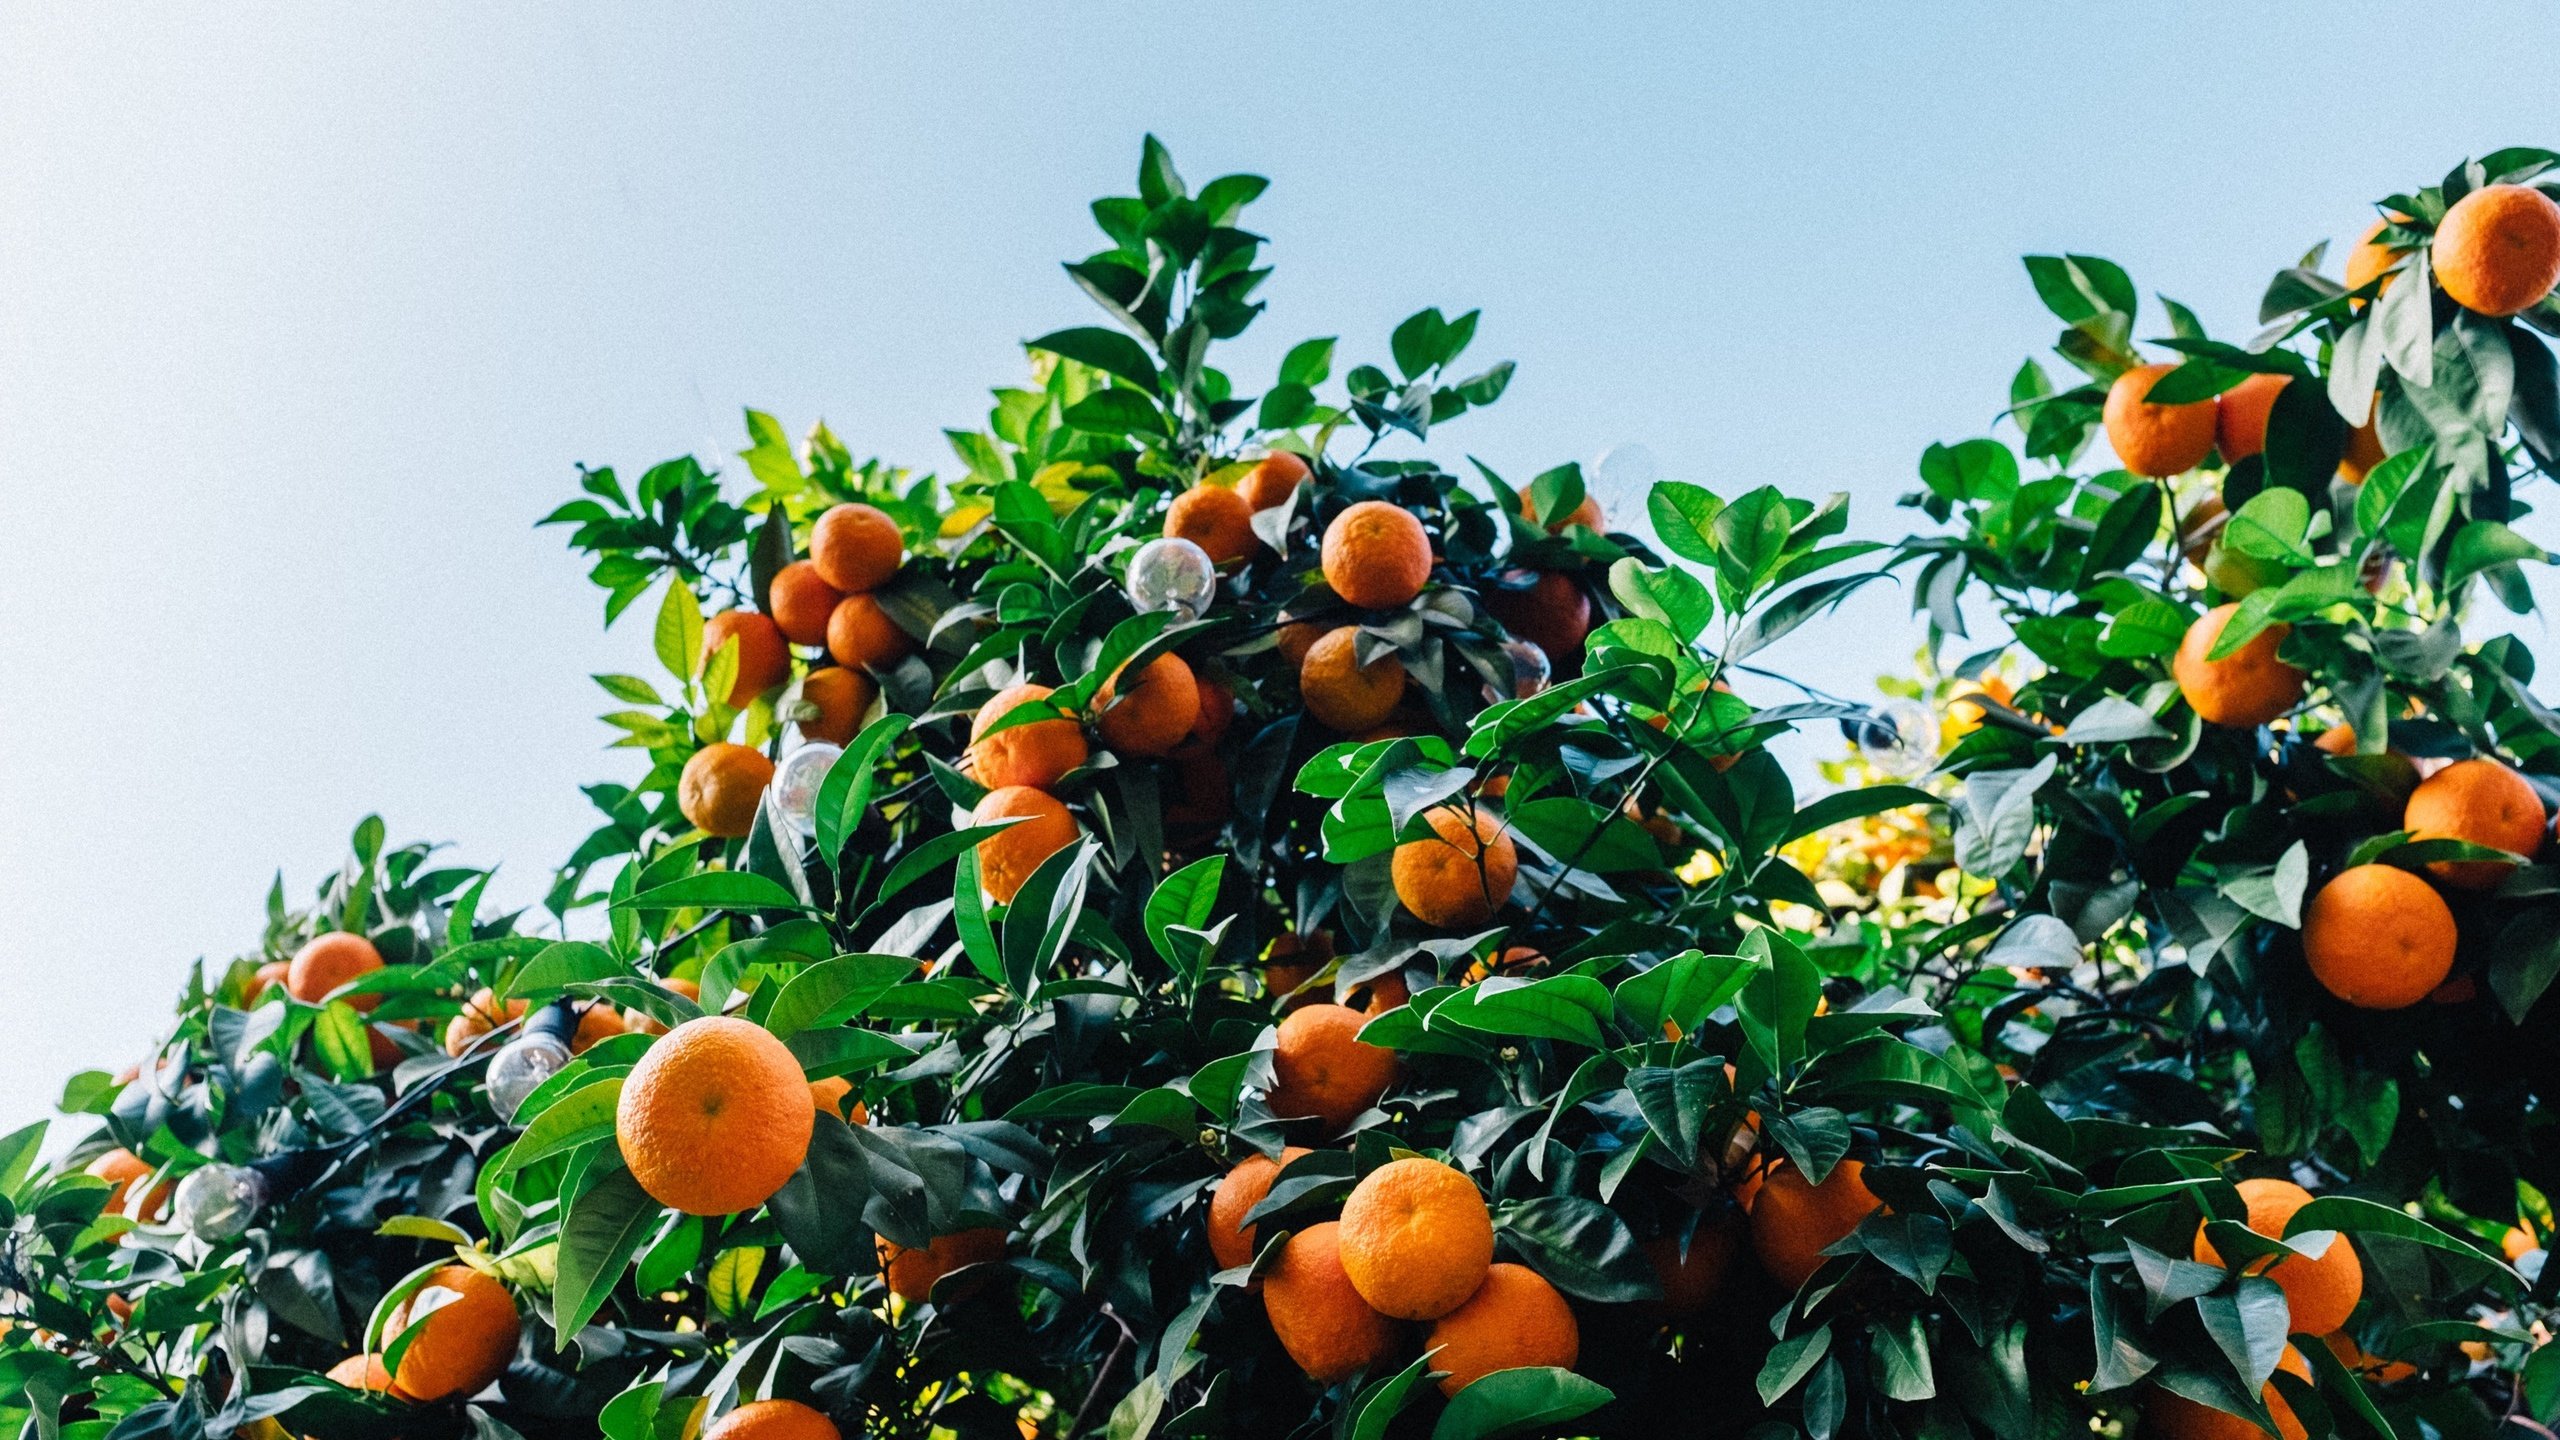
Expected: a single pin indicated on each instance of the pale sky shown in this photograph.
(307, 312)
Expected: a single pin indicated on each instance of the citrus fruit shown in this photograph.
(2378, 937)
(1376, 556)
(2366, 1365)
(328, 961)
(2364, 451)
(262, 981)
(856, 547)
(364, 1372)
(1038, 753)
(861, 633)
(1214, 713)
(1297, 636)
(2243, 689)
(2497, 250)
(1343, 693)
(2240, 416)
(122, 1169)
(466, 1333)
(1324, 1069)
(715, 1117)
(1792, 1222)
(2320, 1292)
(843, 696)
(1155, 713)
(1216, 519)
(831, 1095)
(720, 788)
(1291, 962)
(1514, 1319)
(2167, 1415)
(2370, 260)
(597, 1023)
(2481, 801)
(912, 1274)
(1272, 480)
(1231, 1241)
(764, 661)
(1006, 859)
(800, 601)
(2338, 739)
(1692, 1277)
(1459, 874)
(1316, 1314)
(1553, 614)
(774, 1420)
(2156, 440)
(480, 1014)
(1416, 1238)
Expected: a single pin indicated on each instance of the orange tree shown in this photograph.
(1207, 920)
(2266, 826)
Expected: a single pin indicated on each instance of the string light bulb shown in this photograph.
(534, 1056)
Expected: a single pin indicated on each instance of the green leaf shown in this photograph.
(558, 966)
(2482, 544)
(678, 636)
(580, 1117)
(1684, 518)
(835, 991)
(2145, 629)
(1973, 470)
(1560, 1007)
(1187, 897)
(1381, 1401)
(1308, 362)
(718, 890)
(2365, 1217)
(1525, 1401)
(601, 1233)
(1855, 805)
(338, 1033)
(1586, 836)
(1106, 350)
(846, 791)
(2272, 526)
(1789, 1361)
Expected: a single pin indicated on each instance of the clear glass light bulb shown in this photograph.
(524, 1064)
(1530, 668)
(1172, 574)
(796, 782)
(1621, 471)
(1901, 740)
(218, 1201)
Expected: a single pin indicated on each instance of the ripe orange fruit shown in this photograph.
(2240, 416)
(641, 1022)
(1378, 995)
(1291, 962)
(1586, 513)
(1416, 1238)
(1273, 480)
(801, 601)
(1316, 1314)
(720, 788)
(482, 1013)
(2244, 689)
(1297, 637)
(1459, 874)
(843, 696)
(2167, 1415)
(2481, 801)
(364, 1372)
(121, 1168)
(1376, 556)
(861, 633)
(1514, 1319)
(715, 1117)
(597, 1023)
(831, 1094)
(2378, 937)
(1157, 711)
(1341, 692)
(2364, 451)
(1006, 860)
(2369, 259)
(2156, 440)
(2321, 1293)
(1038, 754)
(1691, 1279)
(774, 1420)
(1553, 614)
(1325, 1069)
(467, 1332)
(1792, 1222)
(912, 1274)
(2338, 739)
(764, 661)
(856, 547)
(2367, 1365)
(326, 962)
(2497, 250)
(1231, 1241)
(265, 978)
(1214, 518)
(1217, 711)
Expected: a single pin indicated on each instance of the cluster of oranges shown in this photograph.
(829, 601)
(1414, 1245)
(463, 1330)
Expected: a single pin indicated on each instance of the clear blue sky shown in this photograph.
(306, 312)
